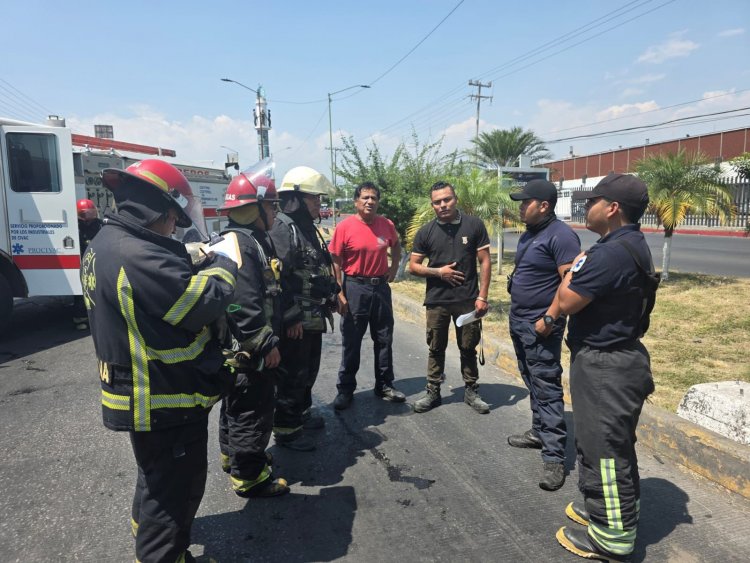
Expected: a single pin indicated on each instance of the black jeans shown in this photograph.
(439, 319)
(246, 421)
(300, 362)
(369, 305)
(539, 364)
(172, 467)
(608, 388)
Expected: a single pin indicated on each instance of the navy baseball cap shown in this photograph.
(542, 190)
(627, 190)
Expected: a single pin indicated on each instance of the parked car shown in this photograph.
(325, 212)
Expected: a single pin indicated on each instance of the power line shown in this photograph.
(418, 44)
(648, 111)
(25, 98)
(645, 127)
(560, 39)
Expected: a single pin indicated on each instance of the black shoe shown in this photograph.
(579, 542)
(388, 393)
(553, 476)
(299, 442)
(578, 513)
(342, 401)
(526, 440)
(472, 398)
(431, 400)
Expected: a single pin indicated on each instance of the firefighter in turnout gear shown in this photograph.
(254, 322)
(89, 225)
(160, 367)
(308, 299)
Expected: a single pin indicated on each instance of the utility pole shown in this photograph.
(334, 169)
(478, 96)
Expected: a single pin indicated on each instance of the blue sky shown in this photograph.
(153, 69)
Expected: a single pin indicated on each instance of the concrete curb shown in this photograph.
(708, 454)
(707, 231)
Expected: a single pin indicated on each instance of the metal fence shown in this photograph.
(741, 196)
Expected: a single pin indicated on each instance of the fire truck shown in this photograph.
(44, 170)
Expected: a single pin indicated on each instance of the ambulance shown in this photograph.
(44, 171)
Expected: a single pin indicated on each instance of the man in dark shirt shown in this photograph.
(452, 243)
(545, 251)
(610, 374)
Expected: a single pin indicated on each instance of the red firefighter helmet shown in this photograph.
(159, 175)
(86, 210)
(253, 185)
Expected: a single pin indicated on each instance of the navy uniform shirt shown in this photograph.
(610, 277)
(536, 278)
(445, 243)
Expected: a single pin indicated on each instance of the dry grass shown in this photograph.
(700, 330)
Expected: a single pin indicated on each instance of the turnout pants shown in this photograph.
(369, 305)
(172, 467)
(608, 388)
(300, 362)
(439, 319)
(245, 425)
(539, 363)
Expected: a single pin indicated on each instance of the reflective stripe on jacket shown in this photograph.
(149, 312)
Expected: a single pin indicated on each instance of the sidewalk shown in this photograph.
(706, 231)
(708, 454)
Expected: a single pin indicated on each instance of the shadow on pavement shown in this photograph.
(296, 528)
(663, 508)
(38, 324)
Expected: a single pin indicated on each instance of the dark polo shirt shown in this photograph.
(536, 277)
(445, 243)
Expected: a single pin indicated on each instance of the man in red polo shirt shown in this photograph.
(360, 261)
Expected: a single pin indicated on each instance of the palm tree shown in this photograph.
(679, 184)
(503, 147)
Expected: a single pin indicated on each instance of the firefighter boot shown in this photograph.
(297, 441)
(580, 543)
(577, 512)
(472, 398)
(312, 421)
(431, 400)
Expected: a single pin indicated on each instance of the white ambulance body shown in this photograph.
(42, 176)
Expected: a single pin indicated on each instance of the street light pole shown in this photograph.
(330, 140)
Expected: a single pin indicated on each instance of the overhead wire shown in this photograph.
(602, 20)
(646, 127)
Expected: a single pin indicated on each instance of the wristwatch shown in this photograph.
(548, 320)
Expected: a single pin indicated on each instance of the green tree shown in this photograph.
(741, 165)
(478, 194)
(503, 147)
(402, 178)
(681, 183)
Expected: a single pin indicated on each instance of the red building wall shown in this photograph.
(724, 145)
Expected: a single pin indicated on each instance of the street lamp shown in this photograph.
(260, 118)
(233, 158)
(330, 140)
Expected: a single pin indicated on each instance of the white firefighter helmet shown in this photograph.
(306, 180)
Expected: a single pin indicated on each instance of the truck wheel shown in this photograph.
(6, 304)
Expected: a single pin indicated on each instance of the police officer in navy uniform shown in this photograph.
(545, 251)
(606, 294)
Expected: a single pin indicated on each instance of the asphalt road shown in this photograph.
(717, 255)
(385, 484)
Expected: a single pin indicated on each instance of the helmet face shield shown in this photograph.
(252, 185)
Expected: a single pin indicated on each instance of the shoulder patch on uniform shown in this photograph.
(578, 265)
